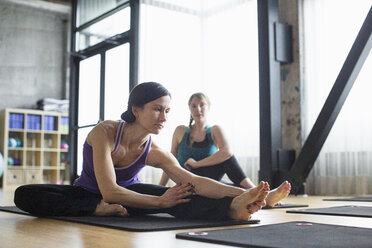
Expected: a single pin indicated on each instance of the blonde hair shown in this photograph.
(202, 97)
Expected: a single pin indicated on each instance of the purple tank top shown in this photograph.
(124, 176)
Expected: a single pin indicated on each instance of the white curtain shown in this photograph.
(344, 166)
(209, 46)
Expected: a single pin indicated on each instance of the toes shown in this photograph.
(124, 213)
(261, 185)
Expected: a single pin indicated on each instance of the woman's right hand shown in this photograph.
(175, 195)
(190, 164)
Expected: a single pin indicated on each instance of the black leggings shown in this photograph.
(67, 200)
(230, 167)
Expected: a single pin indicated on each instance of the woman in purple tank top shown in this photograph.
(114, 153)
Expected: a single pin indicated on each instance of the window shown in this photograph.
(116, 82)
(103, 48)
(344, 164)
(90, 9)
(89, 90)
(208, 46)
(103, 30)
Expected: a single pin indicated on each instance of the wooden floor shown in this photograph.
(25, 231)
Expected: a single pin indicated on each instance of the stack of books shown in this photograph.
(49, 124)
(33, 122)
(64, 124)
(16, 121)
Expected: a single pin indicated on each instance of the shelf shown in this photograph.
(52, 132)
(33, 131)
(16, 130)
(35, 146)
(51, 150)
(33, 149)
(12, 167)
(32, 167)
(15, 149)
(51, 168)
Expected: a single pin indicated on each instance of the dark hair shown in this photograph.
(202, 97)
(142, 94)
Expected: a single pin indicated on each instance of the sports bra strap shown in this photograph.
(119, 133)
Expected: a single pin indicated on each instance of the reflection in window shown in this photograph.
(89, 90)
(114, 24)
(90, 9)
(116, 82)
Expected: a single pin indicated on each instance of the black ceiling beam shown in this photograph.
(332, 107)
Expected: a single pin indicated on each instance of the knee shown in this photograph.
(232, 158)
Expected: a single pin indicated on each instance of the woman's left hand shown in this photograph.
(176, 195)
(191, 164)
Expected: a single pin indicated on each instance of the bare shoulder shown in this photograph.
(216, 130)
(105, 130)
(179, 131)
(219, 136)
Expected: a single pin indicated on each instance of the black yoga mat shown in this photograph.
(358, 198)
(287, 206)
(289, 234)
(155, 222)
(354, 211)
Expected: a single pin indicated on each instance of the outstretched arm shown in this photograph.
(201, 185)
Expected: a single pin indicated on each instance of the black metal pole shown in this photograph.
(134, 43)
(73, 115)
(270, 104)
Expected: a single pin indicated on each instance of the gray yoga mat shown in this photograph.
(353, 211)
(358, 198)
(289, 234)
(287, 206)
(155, 222)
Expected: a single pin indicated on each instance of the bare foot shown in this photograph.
(255, 206)
(106, 209)
(244, 205)
(276, 195)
